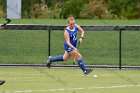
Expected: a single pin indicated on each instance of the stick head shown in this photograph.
(8, 20)
(2, 82)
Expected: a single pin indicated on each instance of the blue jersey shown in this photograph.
(73, 38)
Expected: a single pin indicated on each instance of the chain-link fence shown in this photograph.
(97, 48)
(23, 47)
(130, 48)
(102, 47)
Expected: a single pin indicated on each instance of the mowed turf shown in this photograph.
(54, 80)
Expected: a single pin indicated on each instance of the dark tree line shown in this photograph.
(110, 9)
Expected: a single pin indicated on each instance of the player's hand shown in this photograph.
(75, 49)
(80, 40)
(1, 26)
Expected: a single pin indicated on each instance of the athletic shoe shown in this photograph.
(2, 82)
(88, 71)
(49, 62)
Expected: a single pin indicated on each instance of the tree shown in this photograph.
(2, 8)
(71, 8)
(27, 6)
(94, 9)
(123, 8)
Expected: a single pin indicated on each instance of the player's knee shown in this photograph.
(65, 59)
(78, 57)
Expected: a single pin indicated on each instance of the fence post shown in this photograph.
(49, 43)
(120, 49)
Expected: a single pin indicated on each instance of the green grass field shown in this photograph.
(31, 47)
(54, 80)
(78, 21)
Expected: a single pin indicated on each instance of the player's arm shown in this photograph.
(66, 36)
(82, 33)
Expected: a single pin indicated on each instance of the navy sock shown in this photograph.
(57, 58)
(81, 65)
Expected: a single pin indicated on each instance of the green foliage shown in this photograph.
(124, 9)
(40, 9)
(130, 10)
(98, 11)
(55, 12)
(2, 8)
(52, 3)
(101, 9)
(71, 8)
(27, 8)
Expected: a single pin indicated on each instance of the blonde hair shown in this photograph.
(70, 19)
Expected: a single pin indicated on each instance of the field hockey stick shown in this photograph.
(76, 53)
(2, 82)
(7, 21)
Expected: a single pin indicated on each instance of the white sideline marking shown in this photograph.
(28, 74)
(51, 90)
(106, 75)
(86, 76)
(119, 86)
(75, 76)
(25, 91)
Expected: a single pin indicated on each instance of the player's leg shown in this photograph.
(81, 64)
(64, 57)
(80, 61)
(54, 59)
